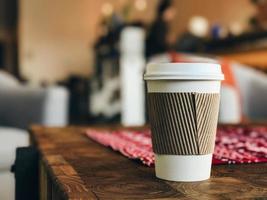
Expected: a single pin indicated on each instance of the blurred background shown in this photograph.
(82, 62)
(85, 46)
(91, 54)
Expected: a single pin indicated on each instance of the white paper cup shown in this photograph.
(183, 149)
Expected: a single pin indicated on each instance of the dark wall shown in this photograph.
(1, 56)
(8, 13)
(8, 36)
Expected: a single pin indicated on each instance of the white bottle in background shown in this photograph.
(132, 64)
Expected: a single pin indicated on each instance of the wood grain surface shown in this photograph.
(74, 167)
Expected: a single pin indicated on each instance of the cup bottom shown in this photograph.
(184, 168)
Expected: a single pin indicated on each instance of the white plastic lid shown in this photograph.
(183, 71)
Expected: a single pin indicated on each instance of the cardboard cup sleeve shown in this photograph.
(183, 123)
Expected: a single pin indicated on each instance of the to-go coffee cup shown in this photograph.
(183, 104)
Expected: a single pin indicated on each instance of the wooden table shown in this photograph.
(74, 167)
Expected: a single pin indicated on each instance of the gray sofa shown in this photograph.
(21, 106)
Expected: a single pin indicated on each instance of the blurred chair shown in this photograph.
(253, 91)
(21, 106)
(246, 100)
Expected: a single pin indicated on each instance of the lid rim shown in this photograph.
(184, 71)
(184, 77)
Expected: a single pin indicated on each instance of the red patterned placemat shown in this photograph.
(234, 144)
